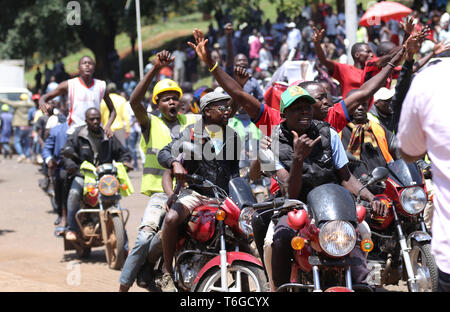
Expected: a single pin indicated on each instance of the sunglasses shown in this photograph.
(222, 108)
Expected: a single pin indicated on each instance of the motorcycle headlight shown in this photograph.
(413, 199)
(337, 238)
(108, 185)
(245, 221)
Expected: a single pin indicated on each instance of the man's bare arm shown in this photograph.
(316, 38)
(61, 89)
(250, 104)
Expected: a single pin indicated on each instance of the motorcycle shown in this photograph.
(101, 217)
(327, 230)
(402, 241)
(214, 253)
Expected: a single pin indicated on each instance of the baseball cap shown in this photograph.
(383, 94)
(291, 25)
(292, 94)
(212, 97)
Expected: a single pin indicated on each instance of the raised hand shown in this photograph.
(303, 146)
(201, 47)
(415, 41)
(241, 75)
(318, 35)
(163, 58)
(408, 25)
(228, 29)
(441, 47)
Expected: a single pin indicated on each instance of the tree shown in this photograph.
(44, 26)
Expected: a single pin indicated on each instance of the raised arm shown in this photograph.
(317, 38)
(162, 58)
(112, 114)
(250, 104)
(368, 89)
(61, 89)
(230, 49)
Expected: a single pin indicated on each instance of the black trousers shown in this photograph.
(61, 189)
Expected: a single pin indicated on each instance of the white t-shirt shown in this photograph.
(81, 98)
(424, 127)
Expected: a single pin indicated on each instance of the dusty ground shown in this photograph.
(32, 259)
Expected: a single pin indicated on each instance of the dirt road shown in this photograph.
(32, 259)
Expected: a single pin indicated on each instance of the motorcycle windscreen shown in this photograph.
(405, 173)
(329, 202)
(240, 192)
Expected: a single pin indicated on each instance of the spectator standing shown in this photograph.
(129, 84)
(6, 118)
(121, 125)
(294, 36)
(331, 22)
(38, 80)
(22, 129)
(179, 68)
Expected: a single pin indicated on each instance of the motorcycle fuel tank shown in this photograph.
(331, 202)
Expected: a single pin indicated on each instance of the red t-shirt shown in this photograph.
(348, 76)
(371, 69)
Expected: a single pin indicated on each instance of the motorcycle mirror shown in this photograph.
(378, 174)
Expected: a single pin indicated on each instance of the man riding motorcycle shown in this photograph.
(218, 162)
(157, 132)
(309, 153)
(88, 143)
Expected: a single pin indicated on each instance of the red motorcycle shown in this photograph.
(215, 255)
(328, 228)
(402, 242)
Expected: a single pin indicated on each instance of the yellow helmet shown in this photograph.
(165, 85)
(5, 107)
(24, 97)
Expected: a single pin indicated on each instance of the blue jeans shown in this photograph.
(150, 226)
(74, 204)
(22, 140)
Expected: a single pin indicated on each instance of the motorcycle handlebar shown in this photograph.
(194, 178)
(277, 202)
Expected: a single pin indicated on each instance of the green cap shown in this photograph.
(292, 94)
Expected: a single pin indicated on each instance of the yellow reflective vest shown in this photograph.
(159, 137)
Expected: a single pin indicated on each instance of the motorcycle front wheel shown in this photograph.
(241, 277)
(115, 242)
(424, 267)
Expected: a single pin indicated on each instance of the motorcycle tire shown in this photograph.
(424, 267)
(115, 244)
(257, 281)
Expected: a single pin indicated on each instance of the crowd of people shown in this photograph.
(288, 82)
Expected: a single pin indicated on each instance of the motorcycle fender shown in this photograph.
(231, 257)
(419, 236)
